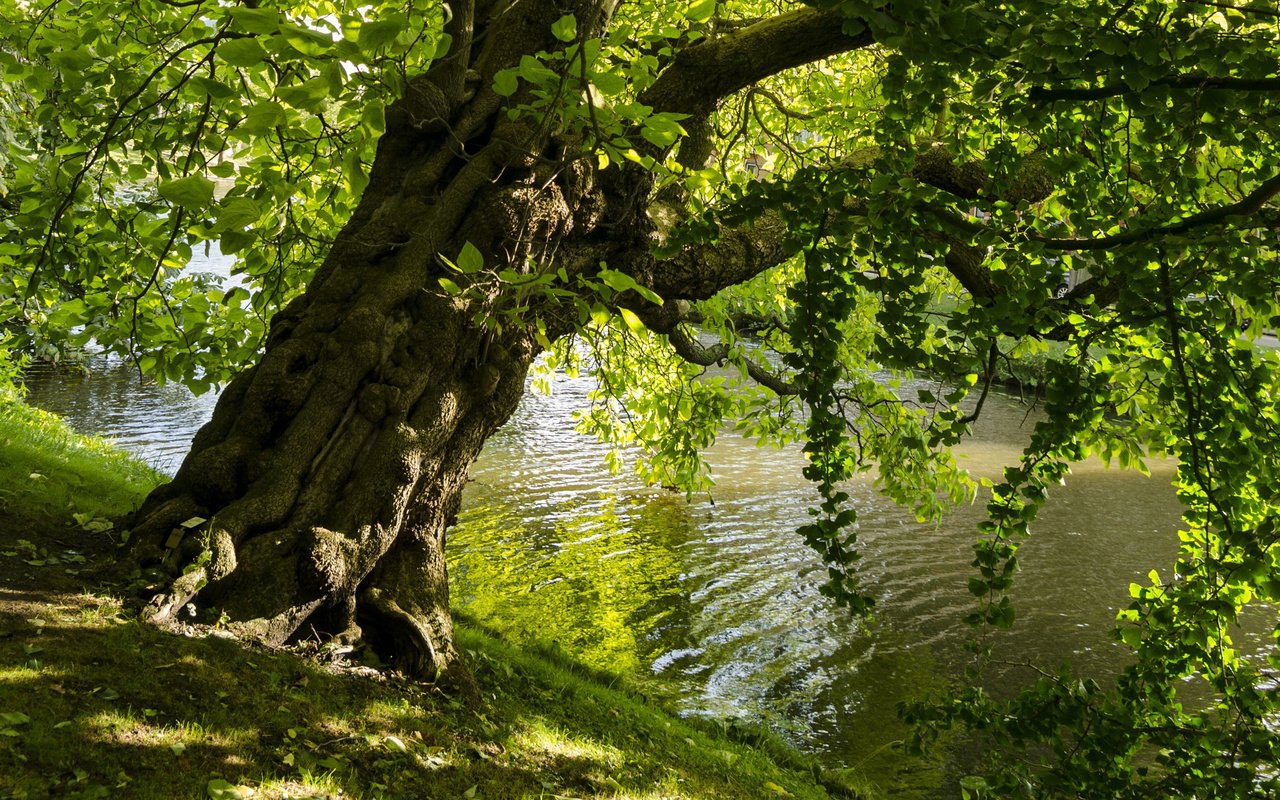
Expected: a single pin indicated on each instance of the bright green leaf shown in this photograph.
(506, 82)
(246, 52)
(565, 29)
(377, 34)
(470, 259)
(193, 191)
(610, 84)
(255, 20)
(633, 322)
(701, 10)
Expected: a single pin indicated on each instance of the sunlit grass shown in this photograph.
(49, 470)
(536, 736)
(144, 727)
(117, 703)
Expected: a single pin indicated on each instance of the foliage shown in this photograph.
(267, 119)
(931, 186)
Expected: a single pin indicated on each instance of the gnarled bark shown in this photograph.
(331, 470)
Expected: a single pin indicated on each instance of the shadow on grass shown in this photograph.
(93, 704)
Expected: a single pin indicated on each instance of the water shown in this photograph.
(714, 605)
(718, 603)
(105, 397)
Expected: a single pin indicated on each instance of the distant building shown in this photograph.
(759, 165)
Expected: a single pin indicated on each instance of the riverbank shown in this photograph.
(95, 704)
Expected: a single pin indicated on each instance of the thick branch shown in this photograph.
(1250, 204)
(701, 270)
(739, 254)
(672, 319)
(1261, 12)
(968, 265)
(1192, 82)
(703, 74)
(450, 72)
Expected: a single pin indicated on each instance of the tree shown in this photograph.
(425, 199)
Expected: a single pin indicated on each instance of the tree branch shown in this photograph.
(1261, 12)
(1250, 204)
(1193, 81)
(672, 319)
(738, 254)
(701, 75)
(701, 270)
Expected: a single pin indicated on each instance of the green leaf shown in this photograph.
(216, 90)
(442, 46)
(232, 242)
(506, 82)
(701, 10)
(661, 130)
(535, 72)
(255, 20)
(306, 41)
(193, 191)
(242, 52)
(75, 60)
(622, 282)
(265, 116)
(633, 322)
(618, 281)
(610, 84)
(565, 29)
(374, 116)
(470, 259)
(219, 789)
(236, 213)
(377, 34)
(395, 743)
(310, 96)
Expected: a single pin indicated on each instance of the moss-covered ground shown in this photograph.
(94, 704)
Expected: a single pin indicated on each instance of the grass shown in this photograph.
(94, 704)
(50, 472)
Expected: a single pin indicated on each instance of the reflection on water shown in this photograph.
(106, 397)
(717, 603)
(720, 600)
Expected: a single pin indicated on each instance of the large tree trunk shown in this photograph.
(332, 469)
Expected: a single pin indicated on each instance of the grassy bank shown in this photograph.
(94, 704)
(50, 473)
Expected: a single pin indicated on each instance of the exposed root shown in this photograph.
(414, 649)
(410, 643)
(161, 609)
